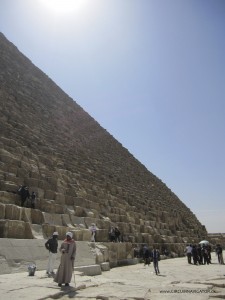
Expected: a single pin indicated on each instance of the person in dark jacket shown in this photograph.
(52, 246)
(146, 256)
(24, 194)
(155, 259)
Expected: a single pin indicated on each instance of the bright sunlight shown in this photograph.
(63, 6)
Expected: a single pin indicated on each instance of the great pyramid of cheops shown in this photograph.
(79, 172)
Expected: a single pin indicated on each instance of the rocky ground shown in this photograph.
(177, 280)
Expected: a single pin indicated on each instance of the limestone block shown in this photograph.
(152, 223)
(99, 256)
(12, 178)
(112, 256)
(134, 228)
(102, 235)
(69, 200)
(9, 198)
(124, 227)
(37, 216)
(31, 182)
(44, 185)
(62, 230)
(24, 165)
(8, 159)
(59, 209)
(13, 169)
(52, 182)
(49, 195)
(21, 173)
(70, 192)
(78, 234)
(34, 174)
(90, 213)
(88, 221)
(66, 221)
(105, 266)
(79, 201)
(116, 218)
(2, 211)
(47, 205)
(60, 198)
(48, 230)
(37, 231)
(40, 192)
(121, 250)
(79, 211)
(129, 250)
(8, 186)
(124, 218)
(104, 223)
(52, 219)
(13, 212)
(28, 231)
(104, 250)
(26, 214)
(14, 229)
(86, 235)
(77, 221)
(94, 205)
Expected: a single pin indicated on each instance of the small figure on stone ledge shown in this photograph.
(112, 236)
(23, 191)
(117, 235)
(93, 232)
(33, 200)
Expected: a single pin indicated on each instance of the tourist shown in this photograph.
(155, 259)
(93, 232)
(189, 253)
(52, 246)
(200, 258)
(65, 270)
(24, 194)
(146, 256)
(219, 252)
(33, 199)
(117, 235)
(195, 255)
(112, 236)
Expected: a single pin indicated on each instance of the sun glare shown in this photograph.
(63, 6)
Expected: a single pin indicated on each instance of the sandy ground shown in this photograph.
(177, 280)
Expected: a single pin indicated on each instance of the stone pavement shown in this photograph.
(177, 280)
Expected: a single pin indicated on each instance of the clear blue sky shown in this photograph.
(151, 72)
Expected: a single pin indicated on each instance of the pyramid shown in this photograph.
(80, 173)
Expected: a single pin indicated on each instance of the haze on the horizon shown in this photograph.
(151, 72)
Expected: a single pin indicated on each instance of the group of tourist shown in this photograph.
(201, 254)
(148, 256)
(114, 235)
(68, 251)
(26, 198)
(151, 255)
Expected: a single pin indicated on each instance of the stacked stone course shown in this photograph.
(80, 173)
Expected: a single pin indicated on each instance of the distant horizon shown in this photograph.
(151, 73)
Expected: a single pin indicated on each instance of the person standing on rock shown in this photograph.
(33, 199)
(65, 270)
(52, 246)
(24, 194)
(93, 232)
(155, 259)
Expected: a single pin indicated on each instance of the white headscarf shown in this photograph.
(69, 234)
